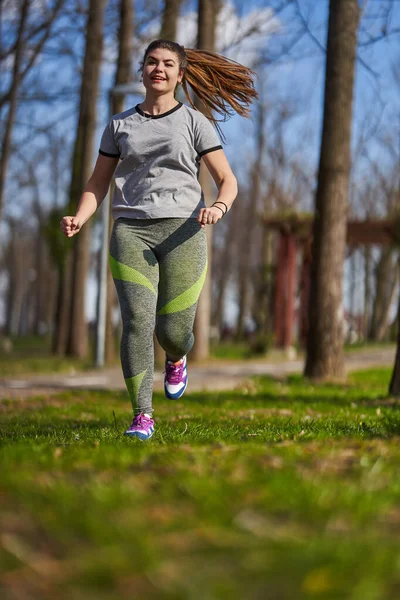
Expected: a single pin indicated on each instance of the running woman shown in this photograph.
(158, 250)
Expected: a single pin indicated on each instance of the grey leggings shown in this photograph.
(159, 267)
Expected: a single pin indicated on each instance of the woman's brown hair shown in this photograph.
(222, 85)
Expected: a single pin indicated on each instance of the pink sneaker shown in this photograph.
(142, 427)
(176, 378)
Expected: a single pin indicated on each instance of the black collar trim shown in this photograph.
(140, 111)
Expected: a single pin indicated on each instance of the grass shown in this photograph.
(230, 350)
(280, 490)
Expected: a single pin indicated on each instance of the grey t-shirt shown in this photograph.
(157, 175)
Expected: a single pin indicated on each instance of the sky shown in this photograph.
(295, 78)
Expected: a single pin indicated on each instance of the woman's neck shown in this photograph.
(158, 105)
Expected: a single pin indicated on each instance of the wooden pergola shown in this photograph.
(295, 235)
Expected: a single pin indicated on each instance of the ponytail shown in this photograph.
(222, 85)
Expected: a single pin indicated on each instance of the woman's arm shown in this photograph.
(222, 174)
(92, 196)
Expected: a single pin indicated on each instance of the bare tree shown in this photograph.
(325, 356)
(386, 280)
(19, 259)
(123, 75)
(385, 271)
(251, 217)
(73, 320)
(19, 72)
(43, 290)
(207, 17)
(13, 99)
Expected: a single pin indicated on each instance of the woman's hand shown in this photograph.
(209, 216)
(70, 226)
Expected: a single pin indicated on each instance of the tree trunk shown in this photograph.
(207, 19)
(20, 261)
(384, 323)
(42, 282)
(49, 297)
(325, 356)
(170, 19)
(75, 286)
(13, 287)
(42, 286)
(13, 100)
(122, 75)
(263, 301)
(384, 283)
(248, 260)
(60, 259)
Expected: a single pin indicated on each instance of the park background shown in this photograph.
(280, 145)
(285, 486)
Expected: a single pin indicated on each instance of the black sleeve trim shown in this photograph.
(109, 155)
(210, 150)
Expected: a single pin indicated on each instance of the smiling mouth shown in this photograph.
(158, 79)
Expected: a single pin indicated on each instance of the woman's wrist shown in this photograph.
(221, 202)
(222, 206)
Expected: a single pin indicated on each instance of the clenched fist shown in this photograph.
(209, 216)
(70, 226)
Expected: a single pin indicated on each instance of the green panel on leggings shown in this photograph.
(186, 299)
(125, 273)
(133, 385)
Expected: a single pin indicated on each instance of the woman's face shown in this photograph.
(161, 72)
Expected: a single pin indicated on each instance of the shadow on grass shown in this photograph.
(284, 399)
(261, 391)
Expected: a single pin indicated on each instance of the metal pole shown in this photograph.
(102, 302)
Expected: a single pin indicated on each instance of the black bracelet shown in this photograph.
(220, 202)
(219, 209)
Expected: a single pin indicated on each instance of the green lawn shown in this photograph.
(282, 490)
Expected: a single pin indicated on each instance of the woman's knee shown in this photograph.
(174, 341)
(138, 324)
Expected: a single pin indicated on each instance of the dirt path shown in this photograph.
(216, 375)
